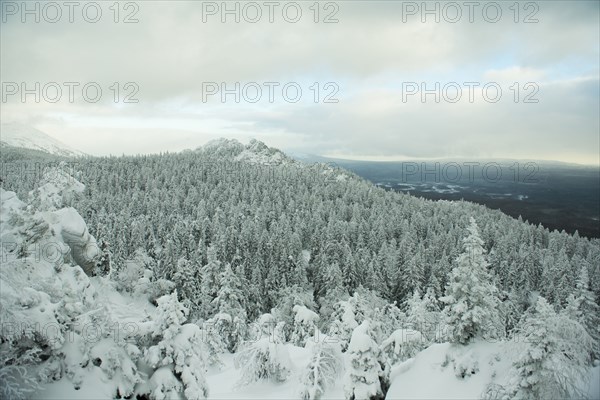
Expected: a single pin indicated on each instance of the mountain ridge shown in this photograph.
(23, 136)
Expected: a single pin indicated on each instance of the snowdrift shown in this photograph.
(447, 371)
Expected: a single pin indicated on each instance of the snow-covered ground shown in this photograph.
(223, 383)
(435, 373)
(431, 374)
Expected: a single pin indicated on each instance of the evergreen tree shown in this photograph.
(186, 281)
(412, 273)
(422, 314)
(264, 358)
(231, 312)
(288, 299)
(582, 308)
(322, 370)
(209, 283)
(553, 358)
(471, 299)
(333, 290)
(229, 299)
(305, 323)
(343, 323)
(176, 355)
(361, 380)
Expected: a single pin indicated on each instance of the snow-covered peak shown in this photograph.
(24, 136)
(255, 152)
(256, 145)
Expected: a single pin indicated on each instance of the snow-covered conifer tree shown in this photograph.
(178, 348)
(290, 297)
(305, 323)
(209, 283)
(361, 379)
(553, 357)
(587, 312)
(264, 358)
(343, 323)
(322, 370)
(471, 298)
(422, 314)
(186, 282)
(229, 304)
(333, 289)
(213, 343)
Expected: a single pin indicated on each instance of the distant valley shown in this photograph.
(557, 195)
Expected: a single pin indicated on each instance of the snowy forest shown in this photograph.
(233, 271)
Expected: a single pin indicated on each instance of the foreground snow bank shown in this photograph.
(446, 371)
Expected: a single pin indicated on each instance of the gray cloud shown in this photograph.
(369, 53)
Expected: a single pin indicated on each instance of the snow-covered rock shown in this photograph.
(68, 231)
(56, 188)
(74, 232)
(9, 202)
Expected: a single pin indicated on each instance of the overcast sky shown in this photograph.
(375, 58)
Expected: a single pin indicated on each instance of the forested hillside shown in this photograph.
(235, 234)
(286, 224)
